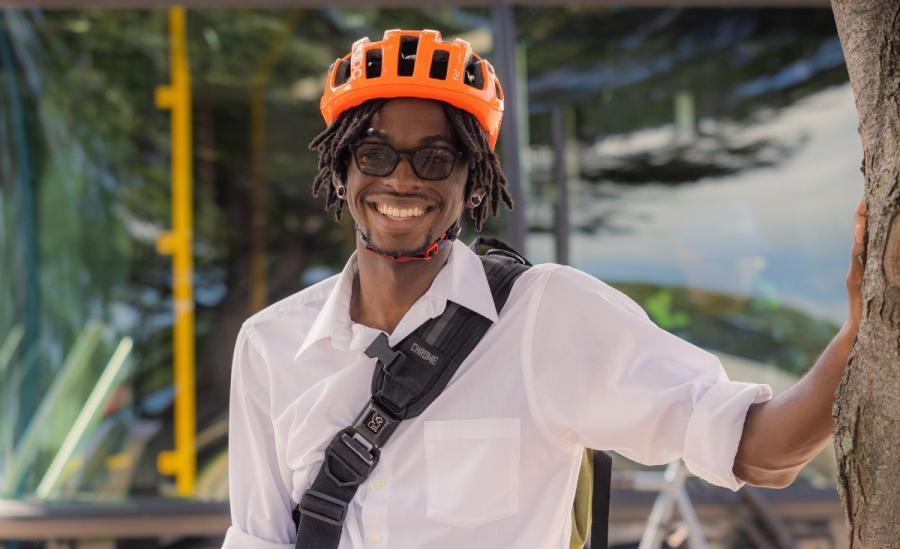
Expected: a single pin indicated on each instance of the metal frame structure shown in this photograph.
(672, 494)
(142, 518)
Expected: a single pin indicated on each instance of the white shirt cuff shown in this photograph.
(235, 539)
(715, 428)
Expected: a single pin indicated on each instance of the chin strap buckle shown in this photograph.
(430, 252)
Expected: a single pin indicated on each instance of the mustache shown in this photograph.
(391, 194)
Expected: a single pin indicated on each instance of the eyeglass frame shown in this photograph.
(409, 154)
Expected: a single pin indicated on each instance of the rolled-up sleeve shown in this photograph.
(258, 486)
(602, 375)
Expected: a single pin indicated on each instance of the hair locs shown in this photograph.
(332, 146)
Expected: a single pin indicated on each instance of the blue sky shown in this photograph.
(786, 228)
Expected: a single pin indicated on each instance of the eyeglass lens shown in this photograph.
(380, 159)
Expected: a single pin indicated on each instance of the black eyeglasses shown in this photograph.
(429, 162)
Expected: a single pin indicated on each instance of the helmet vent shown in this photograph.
(498, 91)
(474, 74)
(343, 72)
(406, 61)
(439, 63)
(373, 63)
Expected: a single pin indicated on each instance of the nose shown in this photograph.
(403, 179)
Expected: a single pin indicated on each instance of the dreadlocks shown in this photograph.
(332, 145)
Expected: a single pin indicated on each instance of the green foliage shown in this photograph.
(760, 329)
(659, 307)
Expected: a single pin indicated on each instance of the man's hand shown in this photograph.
(780, 436)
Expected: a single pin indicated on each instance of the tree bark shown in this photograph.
(867, 403)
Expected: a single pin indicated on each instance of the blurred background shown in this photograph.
(703, 160)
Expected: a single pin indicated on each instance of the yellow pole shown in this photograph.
(182, 461)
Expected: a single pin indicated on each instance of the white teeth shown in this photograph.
(399, 212)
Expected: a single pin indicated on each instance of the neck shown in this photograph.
(384, 290)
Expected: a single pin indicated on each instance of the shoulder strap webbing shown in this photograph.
(602, 480)
(407, 379)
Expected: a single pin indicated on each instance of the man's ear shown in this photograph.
(340, 189)
(475, 196)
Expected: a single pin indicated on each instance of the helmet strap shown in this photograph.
(428, 252)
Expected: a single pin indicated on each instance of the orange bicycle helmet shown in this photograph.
(415, 64)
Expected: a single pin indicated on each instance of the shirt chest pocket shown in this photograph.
(472, 469)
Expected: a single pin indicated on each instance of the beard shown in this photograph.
(429, 239)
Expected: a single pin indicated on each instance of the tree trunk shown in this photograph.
(867, 404)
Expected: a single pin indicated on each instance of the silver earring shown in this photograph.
(340, 190)
(474, 200)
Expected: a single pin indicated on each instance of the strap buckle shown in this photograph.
(382, 351)
(355, 465)
(392, 364)
(375, 424)
(321, 506)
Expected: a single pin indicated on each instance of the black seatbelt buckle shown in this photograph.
(321, 506)
(348, 460)
(382, 351)
(375, 424)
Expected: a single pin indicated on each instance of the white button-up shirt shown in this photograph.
(569, 363)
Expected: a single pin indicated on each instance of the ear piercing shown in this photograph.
(474, 200)
(340, 190)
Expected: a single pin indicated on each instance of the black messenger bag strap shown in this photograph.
(600, 500)
(406, 380)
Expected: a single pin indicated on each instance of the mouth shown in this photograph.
(400, 212)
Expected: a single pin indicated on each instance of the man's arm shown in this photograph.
(780, 436)
(258, 484)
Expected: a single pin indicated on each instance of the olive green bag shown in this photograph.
(590, 511)
(581, 509)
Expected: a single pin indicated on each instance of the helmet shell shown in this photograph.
(410, 63)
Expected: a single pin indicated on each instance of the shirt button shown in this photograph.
(375, 538)
(380, 484)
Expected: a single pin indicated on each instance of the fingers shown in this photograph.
(855, 273)
(859, 229)
(859, 236)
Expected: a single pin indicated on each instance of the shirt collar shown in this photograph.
(462, 280)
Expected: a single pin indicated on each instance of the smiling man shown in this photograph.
(567, 363)
(405, 211)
